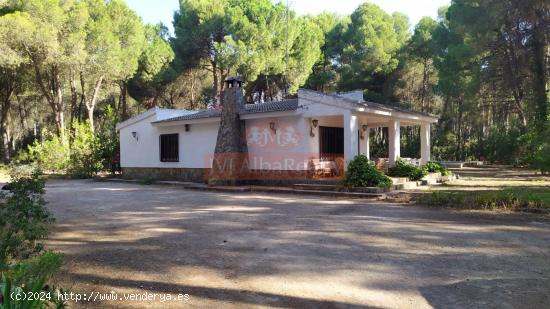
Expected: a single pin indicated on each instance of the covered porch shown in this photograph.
(340, 138)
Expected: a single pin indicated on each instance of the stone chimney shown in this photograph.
(230, 165)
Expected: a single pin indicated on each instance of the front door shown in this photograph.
(331, 143)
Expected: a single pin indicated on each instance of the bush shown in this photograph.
(24, 219)
(85, 156)
(434, 167)
(541, 157)
(362, 173)
(404, 169)
(82, 158)
(109, 141)
(51, 154)
(31, 277)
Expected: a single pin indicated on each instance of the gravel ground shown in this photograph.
(234, 250)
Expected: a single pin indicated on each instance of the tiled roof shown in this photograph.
(278, 106)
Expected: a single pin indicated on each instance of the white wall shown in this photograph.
(195, 146)
(290, 148)
(286, 148)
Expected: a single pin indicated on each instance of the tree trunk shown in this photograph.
(5, 135)
(124, 100)
(82, 96)
(216, 94)
(74, 99)
(424, 86)
(90, 106)
(9, 87)
(58, 105)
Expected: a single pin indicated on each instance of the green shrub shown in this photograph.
(24, 219)
(109, 141)
(362, 173)
(541, 157)
(404, 169)
(31, 276)
(434, 167)
(81, 158)
(50, 153)
(85, 156)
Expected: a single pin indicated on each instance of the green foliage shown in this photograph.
(248, 38)
(31, 277)
(85, 152)
(503, 147)
(362, 173)
(81, 158)
(405, 169)
(434, 167)
(24, 219)
(518, 199)
(108, 140)
(369, 47)
(51, 154)
(541, 158)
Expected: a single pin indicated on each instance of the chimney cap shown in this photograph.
(234, 80)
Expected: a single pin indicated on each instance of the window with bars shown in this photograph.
(169, 147)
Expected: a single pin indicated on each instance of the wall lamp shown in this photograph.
(314, 125)
(364, 129)
(273, 127)
(135, 135)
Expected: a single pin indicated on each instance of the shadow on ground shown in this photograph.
(260, 250)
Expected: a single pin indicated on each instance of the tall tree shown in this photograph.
(14, 29)
(53, 48)
(153, 71)
(324, 73)
(114, 42)
(423, 48)
(370, 47)
(248, 38)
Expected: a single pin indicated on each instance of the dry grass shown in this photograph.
(492, 188)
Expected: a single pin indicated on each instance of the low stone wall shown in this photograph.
(180, 174)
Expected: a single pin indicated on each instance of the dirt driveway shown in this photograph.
(259, 250)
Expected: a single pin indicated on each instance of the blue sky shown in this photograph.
(153, 11)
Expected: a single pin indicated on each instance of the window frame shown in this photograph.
(177, 142)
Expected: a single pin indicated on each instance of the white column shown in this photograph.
(351, 136)
(394, 132)
(364, 144)
(425, 143)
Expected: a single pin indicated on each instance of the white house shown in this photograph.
(284, 137)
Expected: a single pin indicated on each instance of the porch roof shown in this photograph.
(350, 101)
